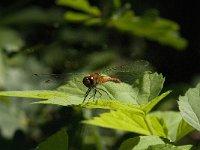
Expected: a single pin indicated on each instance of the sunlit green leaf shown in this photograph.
(169, 147)
(58, 141)
(41, 94)
(148, 87)
(189, 107)
(118, 96)
(151, 143)
(73, 93)
(147, 107)
(128, 121)
(176, 128)
(82, 5)
(141, 142)
(183, 129)
(115, 105)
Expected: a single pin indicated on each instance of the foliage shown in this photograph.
(126, 112)
(177, 127)
(83, 36)
(189, 107)
(150, 143)
(17, 120)
(73, 92)
(57, 141)
(150, 25)
(11, 44)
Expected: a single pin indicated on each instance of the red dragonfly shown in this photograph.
(91, 81)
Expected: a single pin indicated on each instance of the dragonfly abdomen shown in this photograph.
(116, 80)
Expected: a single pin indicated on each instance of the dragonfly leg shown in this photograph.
(86, 94)
(99, 93)
(103, 91)
(94, 94)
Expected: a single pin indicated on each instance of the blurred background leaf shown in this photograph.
(82, 5)
(11, 120)
(31, 15)
(152, 27)
(58, 141)
(10, 40)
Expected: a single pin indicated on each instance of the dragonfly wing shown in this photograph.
(135, 66)
(47, 80)
(129, 72)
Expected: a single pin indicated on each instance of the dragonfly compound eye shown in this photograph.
(88, 82)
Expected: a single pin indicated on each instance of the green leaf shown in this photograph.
(2, 69)
(12, 119)
(123, 96)
(176, 127)
(150, 105)
(183, 129)
(94, 21)
(115, 105)
(58, 141)
(154, 28)
(70, 94)
(141, 142)
(75, 92)
(82, 5)
(189, 105)
(76, 17)
(32, 15)
(41, 94)
(128, 121)
(119, 96)
(10, 40)
(169, 147)
(117, 4)
(151, 143)
(148, 87)
(53, 97)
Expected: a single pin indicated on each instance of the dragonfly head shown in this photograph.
(88, 81)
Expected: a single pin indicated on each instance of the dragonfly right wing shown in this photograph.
(128, 72)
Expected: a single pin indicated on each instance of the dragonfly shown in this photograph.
(92, 80)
